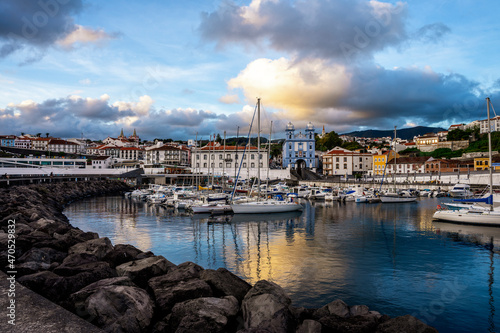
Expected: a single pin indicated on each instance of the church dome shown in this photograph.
(310, 127)
(290, 127)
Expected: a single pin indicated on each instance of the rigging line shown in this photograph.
(244, 151)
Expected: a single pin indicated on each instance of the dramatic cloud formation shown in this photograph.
(330, 76)
(40, 24)
(340, 30)
(97, 117)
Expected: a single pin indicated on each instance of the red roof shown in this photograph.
(130, 148)
(238, 148)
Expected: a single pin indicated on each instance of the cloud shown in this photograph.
(38, 25)
(229, 99)
(83, 35)
(99, 117)
(431, 33)
(369, 95)
(341, 30)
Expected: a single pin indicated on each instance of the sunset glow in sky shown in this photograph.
(172, 69)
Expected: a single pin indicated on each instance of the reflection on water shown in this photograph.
(391, 257)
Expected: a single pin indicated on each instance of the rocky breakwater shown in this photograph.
(120, 288)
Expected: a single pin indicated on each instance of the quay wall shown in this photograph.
(119, 288)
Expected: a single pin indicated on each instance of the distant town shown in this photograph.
(461, 148)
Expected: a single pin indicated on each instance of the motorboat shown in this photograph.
(472, 215)
(461, 191)
(400, 197)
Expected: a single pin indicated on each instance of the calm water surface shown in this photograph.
(391, 257)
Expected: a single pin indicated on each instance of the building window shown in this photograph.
(228, 165)
(204, 165)
(290, 146)
(213, 157)
(337, 166)
(220, 165)
(204, 156)
(252, 156)
(345, 166)
(212, 165)
(220, 156)
(345, 159)
(244, 165)
(337, 159)
(197, 165)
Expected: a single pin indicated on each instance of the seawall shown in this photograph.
(119, 288)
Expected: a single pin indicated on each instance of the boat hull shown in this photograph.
(468, 217)
(397, 199)
(265, 207)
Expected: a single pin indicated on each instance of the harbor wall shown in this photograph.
(120, 288)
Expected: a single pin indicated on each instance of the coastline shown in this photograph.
(120, 288)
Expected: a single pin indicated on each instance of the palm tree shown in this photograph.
(47, 134)
(38, 135)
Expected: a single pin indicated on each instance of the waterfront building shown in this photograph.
(219, 159)
(482, 163)
(62, 146)
(439, 165)
(40, 143)
(101, 162)
(407, 165)
(298, 149)
(31, 162)
(7, 140)
(340, 161)
(23, 142)
(168, 156)
(380, 160)
(494, 123)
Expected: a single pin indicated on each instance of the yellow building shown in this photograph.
(481, 163)
(379, 161)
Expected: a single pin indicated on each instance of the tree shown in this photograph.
(328, 142)
(47, 135)
(218, 138)
(38, 135)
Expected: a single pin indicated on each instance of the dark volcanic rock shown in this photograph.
(140, 271)
(206, 314)
(99, 247)
(167, 293)
(121, 254)
(120, 308)
(407, 324)
(225, 283)
(266, 305)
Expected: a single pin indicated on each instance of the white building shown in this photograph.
(340, 161)
(23, 142)
(167, 155)
(62, 146)
(219, 159)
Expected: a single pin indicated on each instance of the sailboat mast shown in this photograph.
(269, 155)
(258, 147)
(489, 149)
(395, 157)
(224, 163)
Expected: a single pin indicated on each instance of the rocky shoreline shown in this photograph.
(120, 288)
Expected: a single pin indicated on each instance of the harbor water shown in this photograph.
(391, 257)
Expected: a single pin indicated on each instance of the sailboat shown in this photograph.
(471, 215)
(402, 196)
(268, 205)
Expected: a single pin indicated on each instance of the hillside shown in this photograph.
(405, 133)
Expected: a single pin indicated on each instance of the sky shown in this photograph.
(190, 69)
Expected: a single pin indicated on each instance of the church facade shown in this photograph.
(299, 149)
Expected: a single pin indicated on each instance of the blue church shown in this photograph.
(298, 149)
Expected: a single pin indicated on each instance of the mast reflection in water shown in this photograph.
(391, 257)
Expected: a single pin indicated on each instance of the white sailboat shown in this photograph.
(401, 196)
(471, 215)
(264, 206)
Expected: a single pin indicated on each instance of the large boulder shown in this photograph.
(140, 271)
(267, 306)
(225, 283)
(118, 308)
(206, 314)
(47, 284)
(121, 254)
(99, 247)
(50, 226)
(408, 324)
(168, 293)
(309, 326)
